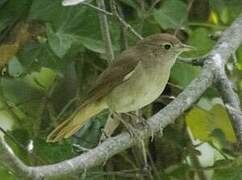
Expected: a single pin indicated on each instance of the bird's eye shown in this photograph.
(167, 46)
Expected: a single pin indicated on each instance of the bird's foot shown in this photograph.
(131, 127)
(141, 122)
(109, 128)
(134, 131)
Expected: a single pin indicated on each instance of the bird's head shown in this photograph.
(164, 45)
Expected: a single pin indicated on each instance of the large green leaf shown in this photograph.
(19, 90)
(35, 55)
(28, 91)
(207, 125)
(199, 38)
(78, 20)
(59, 42)
(43, 79)
(182, 74)
(171, 14)
(92, 44)
(15, 69)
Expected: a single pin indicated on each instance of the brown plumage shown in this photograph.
(136, 78)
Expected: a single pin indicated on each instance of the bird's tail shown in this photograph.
(76, 121)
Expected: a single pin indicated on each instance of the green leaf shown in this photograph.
(59, 42)
(6, 174)
(131, 3)
(92, 44)
(48, 11)
(51, 153)
(229, 170)
(15, 69)
(239, 58)
(179, 171)
(6, 119)
(3, 2)
(42, 79)
(171, 14)
(207, 125)
(199, 39)
(10, 12)
(226, 10)
(182, 74)
(19, 90)
(35, 55)
(76, 20)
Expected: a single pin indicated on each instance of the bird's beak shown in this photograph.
(183, 47)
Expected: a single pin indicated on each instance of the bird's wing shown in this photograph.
(118, 72)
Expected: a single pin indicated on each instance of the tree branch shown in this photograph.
(217, 58)
(11, 160)
(231, 101)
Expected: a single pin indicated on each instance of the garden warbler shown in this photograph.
(135, 79)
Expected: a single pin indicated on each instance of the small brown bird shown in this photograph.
(135, 79)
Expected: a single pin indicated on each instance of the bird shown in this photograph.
(136, 78)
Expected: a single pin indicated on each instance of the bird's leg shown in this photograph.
(127, 122)
(110, 126)
(139, 119)
(131, 122)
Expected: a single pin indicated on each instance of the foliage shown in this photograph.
(50, 56)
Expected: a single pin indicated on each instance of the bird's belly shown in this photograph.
(137, 92)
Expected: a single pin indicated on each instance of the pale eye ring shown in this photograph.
(167, 46)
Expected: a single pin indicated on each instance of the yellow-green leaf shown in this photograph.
(203, 123)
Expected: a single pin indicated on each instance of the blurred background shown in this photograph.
(51, 55)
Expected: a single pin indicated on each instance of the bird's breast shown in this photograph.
(144, 86)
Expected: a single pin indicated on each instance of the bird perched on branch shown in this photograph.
(135, 79)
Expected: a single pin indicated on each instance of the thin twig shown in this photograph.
(123, 33)
(153, 5)
(101, 9)
(207, 25)
(105, 32)
(77, 2)
(97, 9)
(123, 22)
(198, 61)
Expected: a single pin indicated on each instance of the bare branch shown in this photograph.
(12, 161)
(231, 101)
